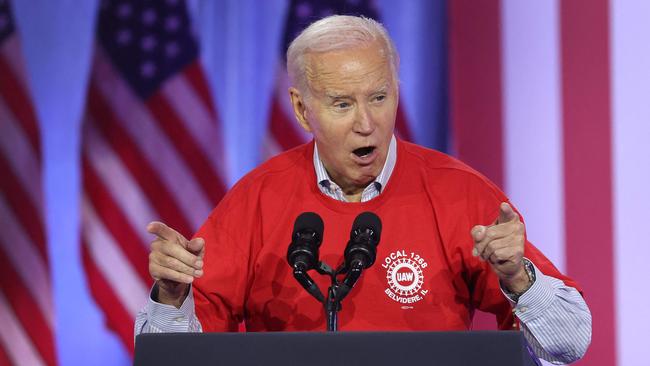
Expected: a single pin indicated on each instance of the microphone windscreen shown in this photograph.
(310, 221)
(367, 220)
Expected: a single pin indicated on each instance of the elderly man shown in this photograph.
(451, 241)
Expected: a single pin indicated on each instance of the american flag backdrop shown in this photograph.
(533, 106)
(26, 306)
(283, 130)
(151, 149)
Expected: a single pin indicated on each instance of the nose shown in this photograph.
(363, 121)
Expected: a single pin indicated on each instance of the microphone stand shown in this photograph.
(331, 303)
(301, 275)
(335, 293)
(338, 290)
(332, 308)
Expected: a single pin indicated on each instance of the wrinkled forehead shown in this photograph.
(359, 68)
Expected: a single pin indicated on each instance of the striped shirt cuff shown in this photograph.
(539, 297)
(554, 319)
(167, 318)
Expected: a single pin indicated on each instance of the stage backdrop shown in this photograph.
(549, 99)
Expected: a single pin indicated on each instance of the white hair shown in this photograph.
(336, 32)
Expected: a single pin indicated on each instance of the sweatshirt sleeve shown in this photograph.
(231, 233)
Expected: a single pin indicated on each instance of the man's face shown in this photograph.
(350, 109)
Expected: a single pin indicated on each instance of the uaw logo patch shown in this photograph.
(405, 277)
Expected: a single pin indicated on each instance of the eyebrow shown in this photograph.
(334, 96)
(331, 95)
(383, 89)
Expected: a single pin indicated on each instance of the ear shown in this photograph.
(299, 108)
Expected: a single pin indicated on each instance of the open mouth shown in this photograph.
(364, 151)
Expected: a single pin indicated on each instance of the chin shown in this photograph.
(364, 180)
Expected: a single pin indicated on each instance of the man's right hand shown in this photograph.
(174, 262)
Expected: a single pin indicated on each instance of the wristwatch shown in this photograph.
(530, 271)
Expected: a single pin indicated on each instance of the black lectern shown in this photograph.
(484, 348)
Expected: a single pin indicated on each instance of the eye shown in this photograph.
(342, 105)
(380, 98)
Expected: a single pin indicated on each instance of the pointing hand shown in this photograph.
(174, 262)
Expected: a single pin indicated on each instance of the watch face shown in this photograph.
(530, 271)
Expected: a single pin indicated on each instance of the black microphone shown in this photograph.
(306, 238)
(302, 254)
(361, 250)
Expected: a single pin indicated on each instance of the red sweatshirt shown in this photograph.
(424, 278)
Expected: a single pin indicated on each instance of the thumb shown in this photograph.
(196, 246)
(506, 213)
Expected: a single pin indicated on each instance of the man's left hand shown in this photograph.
(502, 245)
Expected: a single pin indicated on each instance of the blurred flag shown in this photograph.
(284, 131)
(532, 109)
(152, 149)
(26, 308)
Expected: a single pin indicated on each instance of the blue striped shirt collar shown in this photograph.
(329, 188)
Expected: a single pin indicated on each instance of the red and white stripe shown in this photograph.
(160, 159)
(26, 308)
(630, 131)
(284, 130)
(551, 100)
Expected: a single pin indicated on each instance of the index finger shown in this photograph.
(506, 213)
(163, 231)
